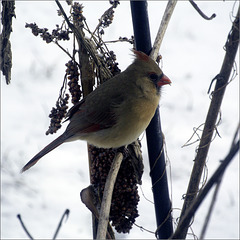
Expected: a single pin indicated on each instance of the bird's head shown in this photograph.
(147, 69)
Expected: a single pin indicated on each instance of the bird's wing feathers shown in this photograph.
(74, 109)
(91, 114)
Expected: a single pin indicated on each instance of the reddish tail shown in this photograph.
(55, 143)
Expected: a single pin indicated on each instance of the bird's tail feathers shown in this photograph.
(55, 143)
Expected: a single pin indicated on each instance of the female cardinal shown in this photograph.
(117, 112)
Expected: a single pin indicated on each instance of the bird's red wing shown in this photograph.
(97, 110)
(92, 128)
(87, 119)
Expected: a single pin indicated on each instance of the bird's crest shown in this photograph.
(141, 56)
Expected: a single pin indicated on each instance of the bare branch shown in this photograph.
(143, 229)
(101, 19)
(200, 11)
(87, 44)
(64, 50)
(236, 134)
(90, 198)
(24, 227)
(210, 123)
(210, 210)
(185, 220)
(107, 196)
(64, 14)
(162, 29)
(65, 214)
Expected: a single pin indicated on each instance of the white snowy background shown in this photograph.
(192, 53)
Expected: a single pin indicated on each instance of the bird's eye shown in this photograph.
(153, 76)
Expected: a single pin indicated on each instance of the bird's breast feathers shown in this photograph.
(133, 118)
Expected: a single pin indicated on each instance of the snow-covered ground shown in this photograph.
(192, 53)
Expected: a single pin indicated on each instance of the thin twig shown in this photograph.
(210, 210)
(63, 49)
(200, 12)
(66, 213)
(107, 196)
(101, 19)
(24, 228)
(194, 133)
(64, 14)
(88, 45)
(160, 226)
(120, 40)
(143, 229)
(145, 196)
(236, 133)
(210, 123)
(162, 29)
(203, 193)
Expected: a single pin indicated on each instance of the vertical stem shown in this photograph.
(162, 28)
(154, 133)
(209, 127)
(107, 196)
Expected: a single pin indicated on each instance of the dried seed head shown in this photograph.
(73, 76)
(78, 17)
(57, 114)
(125, 195)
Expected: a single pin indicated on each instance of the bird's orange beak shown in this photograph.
(163, 81)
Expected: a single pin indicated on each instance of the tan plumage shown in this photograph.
(118, 111)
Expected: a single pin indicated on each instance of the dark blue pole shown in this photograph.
(154, 133)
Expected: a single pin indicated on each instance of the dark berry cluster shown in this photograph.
(107, 18)
(77, 10)
(114, 3)
(73, 77)
(125, 195)
(159, 57)
(112, 64)
(124, 207)
(57, 34)
(60, 34)
(125, 39)
(57, 114)
(69, 2)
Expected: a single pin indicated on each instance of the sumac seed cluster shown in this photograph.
(77, 10)
(112, 64)
(57, 114)
(57, 34)
(125, 195)
(73, 79)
